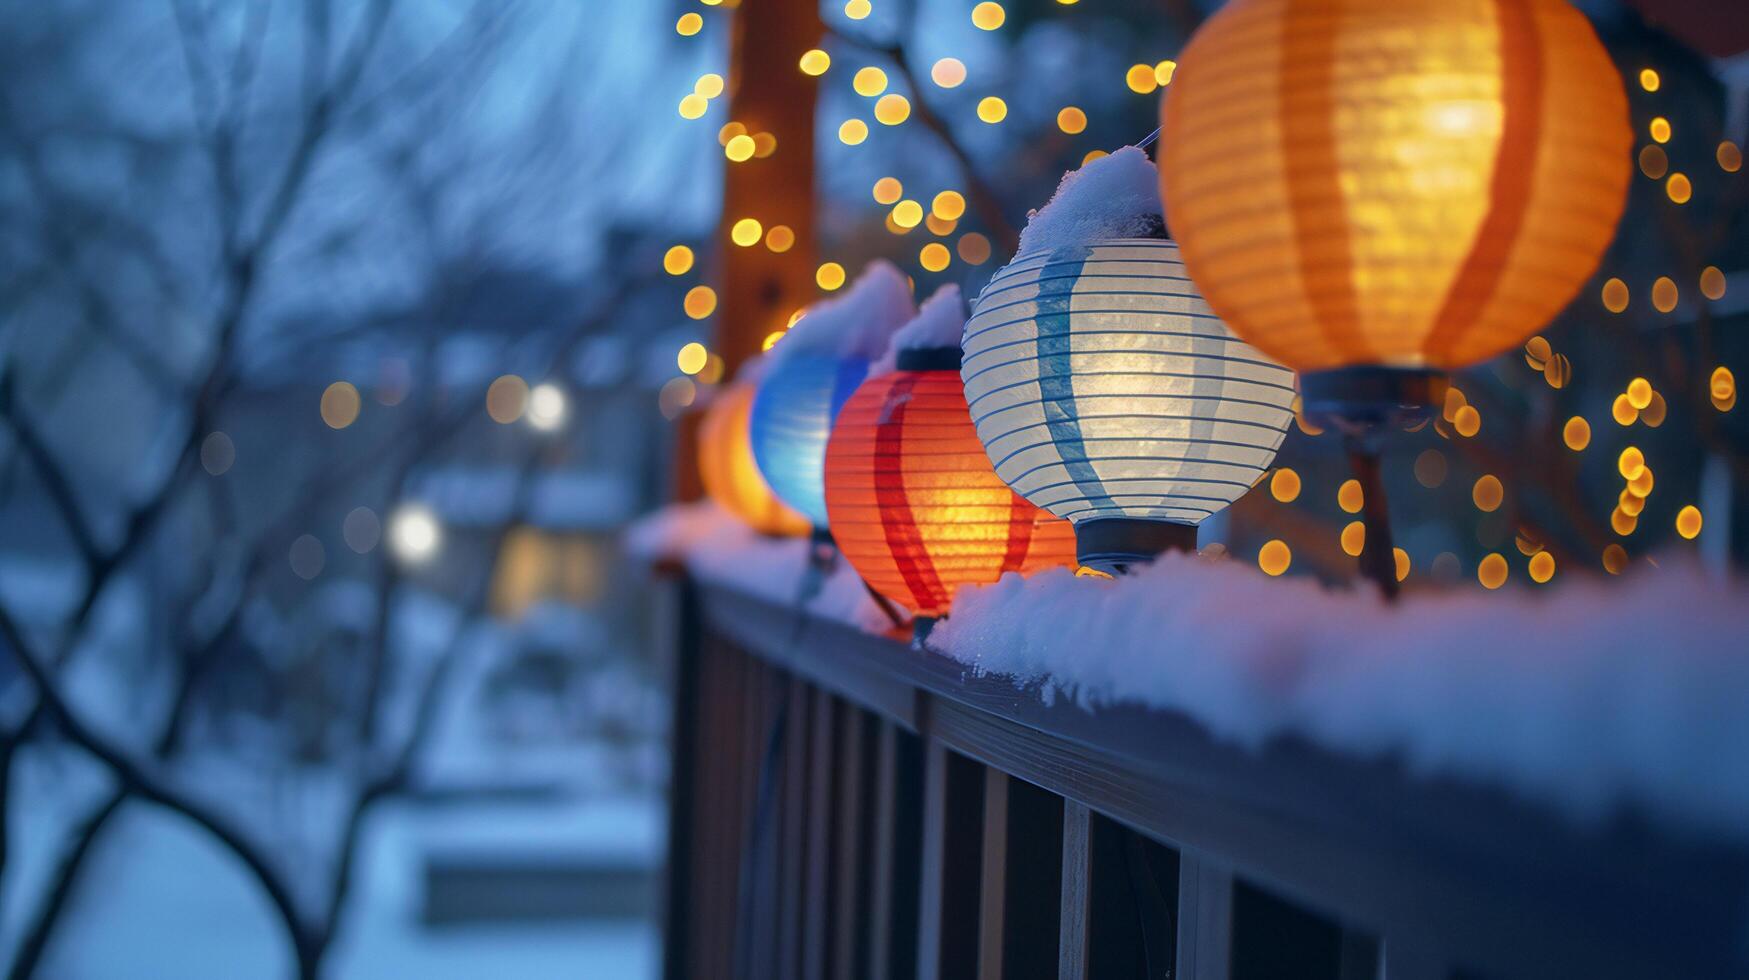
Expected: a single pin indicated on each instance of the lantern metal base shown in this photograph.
(1114, 545)
(921, 627)
(928, 359)
(1357, 399)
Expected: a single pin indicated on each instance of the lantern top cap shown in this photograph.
(858, 323)
(1115, 196)
(938, 324)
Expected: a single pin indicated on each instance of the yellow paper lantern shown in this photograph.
(1413, 185)
(730, 476)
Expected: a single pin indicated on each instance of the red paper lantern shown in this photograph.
(915, 506)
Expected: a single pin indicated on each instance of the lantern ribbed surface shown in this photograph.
(731, 477)
(1407, 183)
(916, 508)
(797, 401)
(1102, 386)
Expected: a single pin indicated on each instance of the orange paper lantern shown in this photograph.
(914, 504)
(731, 477)
(1413, 184)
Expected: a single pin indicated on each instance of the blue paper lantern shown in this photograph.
(1107, 392)
(793, 412)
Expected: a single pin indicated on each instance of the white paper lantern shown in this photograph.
(1106, 391)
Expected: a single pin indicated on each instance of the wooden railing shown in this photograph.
(845, 806)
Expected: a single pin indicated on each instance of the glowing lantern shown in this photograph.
(916, 508)
(1105, 391)
(1392, 187)
(731, 477)
(812, 372)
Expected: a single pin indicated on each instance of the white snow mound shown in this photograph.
(857, 323)
(1115, 196)
(939, 323)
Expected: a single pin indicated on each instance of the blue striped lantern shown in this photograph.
(1107, 392)
(798, 400)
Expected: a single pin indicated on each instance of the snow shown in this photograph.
(1115, 196)
(939, 323)
(857, 323)
(1589, 695)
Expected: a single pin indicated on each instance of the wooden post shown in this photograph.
(1072, 946)
(757, 288)
(993, 889)
(1205, 919)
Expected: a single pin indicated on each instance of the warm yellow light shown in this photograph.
(780, 239)
(1639, 393)
(939, 226)
(1537, 352)
(1654, 413)
(506, 398)
(1492, 571)
(1430, 468)
(1140, 79)
(693, 106)
(1467, 421)
(727, 468)
(888, 190)
(1488, 493)
(771, 339)
(1722, 384)
(892, 109)
(1622, 522)
(709, 85)
(700, 302)
(1688, 521)
(948, 72)
(869, 81)
(729, 131)
(907, 214)
(1274, 557)
(988, 15)
(677, 261)
(739, 148)
(1542, 567)
(1712, 283)
(1071, 120)
(1629, 504)
(857, 9)
(1402, 558)
(852, 131)
(1679, 189)
(1730, 157)
(815, 62)
(1349, 496)
(1664, 294)
(1615, 559)
(688, 24)
(1659, 129)
(1558, 371)
(992, 110)
(974, 248)
(1576, 433)
(934, 257)
(1090, 156)
(948, 205)
(1353, 538)
(1630, 462)
(1653, 162)
(746, 232)
(1284, 485)
(1648, 79)
(340, 404)
(1615, 295)
(1623, 412)
(1641, 485)
(829, 276)
(692, 358)
(1163, 71)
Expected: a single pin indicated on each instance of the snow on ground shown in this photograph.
(1115, 196)
(1588, 695)
(939, 323)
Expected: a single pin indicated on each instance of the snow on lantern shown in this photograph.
(725, 461)
(1377, 192)
(811, 372)
(916, 508)
(1102, 386)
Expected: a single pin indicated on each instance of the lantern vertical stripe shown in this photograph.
(1138, 385)
(1316, 205)
(898, 523)
(1056, 381)
(792, 419)
(1509, 192)
(1021, 516)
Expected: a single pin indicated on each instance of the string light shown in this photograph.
(414, 534)
(852, 131)
(988, 16)
(869, 81)
(1649, 79)
(1688, 522)
(1284, 485)
(1140, 79)
(780, 239)
(1353, 538)
(677, 261)
(506, 399)
(1274, 557)
(829, 276)
(892, 109)
(1492, 571)
(1350, 497)
(934, 257)
(1678, 188)
(746, 232)
(992, 109)
(1542, 567)
(1659, 129)
(1488, 493)
(700, 302)
(1576, 433)
(693, 105)
(888, 190)
(340, 404)
(948, 72)
(1730, 157)
(691, 358)
(689, 24)
(1653, 162)
(858, 9)
(1664, 294)
(974, 248)
(1712, 283)
(815, 62)
(948, 205)
(1615, 295)
(709, 85)
(1071, 120)
(739, 148)
(907, 214)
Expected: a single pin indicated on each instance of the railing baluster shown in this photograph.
(817, 902)
(794, 830)
(993, 881)
(1205, 919)
(847, 912)
(886, 816)
(953, 790)
(1072, 921)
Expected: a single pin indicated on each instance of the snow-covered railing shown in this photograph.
(847, 804)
